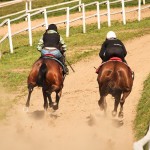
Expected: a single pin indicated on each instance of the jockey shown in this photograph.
(52, 44)
(112, 47)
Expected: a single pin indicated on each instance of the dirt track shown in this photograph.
(78, 124)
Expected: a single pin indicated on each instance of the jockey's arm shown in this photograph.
(102, 51)
(40, 44)
(124, 49)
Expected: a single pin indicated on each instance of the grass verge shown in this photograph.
(143, 112)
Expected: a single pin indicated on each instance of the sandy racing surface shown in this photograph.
(78, 124)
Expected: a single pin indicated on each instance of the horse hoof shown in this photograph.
(50, 105)
(101, 106)
(121, 122)
(55, 106)
(45, 107)
(99, 103)
(120, 115)
(26, 109)
(114, 113)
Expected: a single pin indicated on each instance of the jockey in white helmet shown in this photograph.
(112, 47)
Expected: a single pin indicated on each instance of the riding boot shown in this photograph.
(62, 59)
(125, 61)
(66, 68)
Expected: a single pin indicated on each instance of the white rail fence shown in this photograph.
(27, 14)
(81, 6)
(10, 3)
(145, 140)
(28, 7)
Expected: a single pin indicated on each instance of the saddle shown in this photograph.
(50, 56)
(114, 59)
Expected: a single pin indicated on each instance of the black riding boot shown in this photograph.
(125, 61)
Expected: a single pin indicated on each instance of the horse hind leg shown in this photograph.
(117, 100)
(122, 101)
(58, 95)
(102, 103)
(50, 100)
(30, 89)
(45, 99)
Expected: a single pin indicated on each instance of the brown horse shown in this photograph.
(48, 74)
(115, 78)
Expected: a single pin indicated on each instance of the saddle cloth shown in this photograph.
(111, 59)
(49, 56)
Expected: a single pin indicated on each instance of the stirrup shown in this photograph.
(133, 75)
(66, 71)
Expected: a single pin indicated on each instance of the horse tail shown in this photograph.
(105, 79)
(110, 79)
(42, 74)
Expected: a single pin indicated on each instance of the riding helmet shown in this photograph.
(111, 34)
(52, 27)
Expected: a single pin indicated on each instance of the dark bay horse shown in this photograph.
(115, 78)
(48, 74)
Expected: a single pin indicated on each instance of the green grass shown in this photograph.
(143, 111)
(142, 120)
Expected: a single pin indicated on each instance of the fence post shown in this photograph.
(139, 10)
(98, 15)
(29, 29)
(144, 2)
(108, 13)
(83, 18)
(145, 140)
(67, 22)
(123, 12)
(26, 6)
(10, 37)
(80, 2)
(30, 4)
(45, 18)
